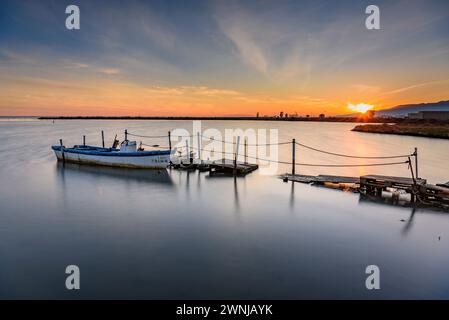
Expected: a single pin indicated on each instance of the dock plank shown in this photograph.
(228, 168)
(339, 179)
(392, 179)
(321, 178)
(445, 185)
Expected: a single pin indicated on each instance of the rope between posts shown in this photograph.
(283, 143)
(143, 136)
(311, 164)
(351, 156)
(248, 144)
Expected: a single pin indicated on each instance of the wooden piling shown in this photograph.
(199, 145)
(62, 150)
(411, 170)
(188, 152)
(236, 154)
(102, 137)
(416, 162)
(169, 140)
(115, 143)
(84, 140)
(126, 135)
(293, 156)
(246, 150)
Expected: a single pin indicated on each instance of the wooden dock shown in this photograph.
(375, 185)
(434, 195)
(334, 182)
(229, 168)
(320, 179)
(393, 189)
(224, 167)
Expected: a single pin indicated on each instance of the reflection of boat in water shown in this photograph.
(92, 171)
(128, 156)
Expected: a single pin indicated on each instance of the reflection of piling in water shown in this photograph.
(236, 196)
(409, 223)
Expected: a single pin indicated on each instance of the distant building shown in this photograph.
(429, 115)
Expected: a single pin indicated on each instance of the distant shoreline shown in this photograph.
(318, 119)
(428, 130)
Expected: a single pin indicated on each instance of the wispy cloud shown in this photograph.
(192, 90)
(109, 71)
(415, 86)
(248, 48)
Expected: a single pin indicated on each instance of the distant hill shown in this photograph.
(403, 110)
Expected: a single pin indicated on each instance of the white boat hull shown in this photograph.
(156, 161)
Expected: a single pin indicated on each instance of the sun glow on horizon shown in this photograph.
(360, 107)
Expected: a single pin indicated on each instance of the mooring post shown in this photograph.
(293, 156)
(223, 160)
(169, 140)
(236, 154)
(416, 162)
(102, 137)
(246, 150)
(84, 140)
(62, 150)
(187, 150)
(414, 188)
(199, 145)
(126, 135)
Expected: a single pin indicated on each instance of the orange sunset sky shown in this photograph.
(204, 58)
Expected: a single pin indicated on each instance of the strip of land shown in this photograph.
(424, 129)
(323, 119)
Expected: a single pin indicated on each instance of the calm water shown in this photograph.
(144, 234)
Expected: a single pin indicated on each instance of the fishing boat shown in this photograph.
(128, 156)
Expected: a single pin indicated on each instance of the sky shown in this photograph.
(214, 58)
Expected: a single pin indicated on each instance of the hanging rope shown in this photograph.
(282, 143)
(249, 144)
(142, 136)
(351, 156)
(310, 164)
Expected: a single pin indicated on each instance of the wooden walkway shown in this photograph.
(375, 185)
(321, 179)
(224, 167)
(378, 186)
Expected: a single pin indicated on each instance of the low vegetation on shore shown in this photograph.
(321, 118)
(420, 129)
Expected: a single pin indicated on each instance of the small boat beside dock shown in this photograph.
(128, 156)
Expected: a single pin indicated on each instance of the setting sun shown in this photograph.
(360, 107)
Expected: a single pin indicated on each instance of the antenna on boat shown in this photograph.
(115, 143)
